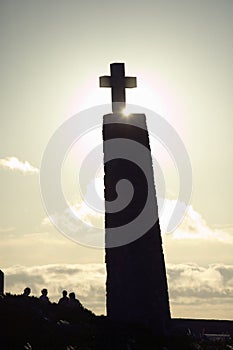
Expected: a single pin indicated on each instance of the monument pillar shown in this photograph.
(136, 283)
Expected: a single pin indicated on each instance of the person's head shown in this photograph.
(64, 293)
(44, 292)
(72, 295)
(27, 291)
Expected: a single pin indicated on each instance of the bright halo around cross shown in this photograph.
(126, 112)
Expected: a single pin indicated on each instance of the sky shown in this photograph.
(52, 53)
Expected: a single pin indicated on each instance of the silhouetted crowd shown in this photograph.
(64, 301)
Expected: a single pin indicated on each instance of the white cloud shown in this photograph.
(201, 292)
(81, 222)
(193, 225)
(86, 280)
(195, 291)
(15, 164)
(200, 282)
(80, 210)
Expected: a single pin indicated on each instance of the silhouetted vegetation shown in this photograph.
(28, 323)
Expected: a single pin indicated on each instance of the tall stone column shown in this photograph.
(136, 277)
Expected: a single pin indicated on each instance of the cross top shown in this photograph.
(118, 82)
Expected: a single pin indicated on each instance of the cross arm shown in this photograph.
(130, 82)
(105, 81)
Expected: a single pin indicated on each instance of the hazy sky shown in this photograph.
(52, 53)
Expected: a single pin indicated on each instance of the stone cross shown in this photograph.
(118, 82)
(136, 284)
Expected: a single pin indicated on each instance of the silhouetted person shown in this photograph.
(64, 300)
(26, 292)
(44, 297)
(74, 303)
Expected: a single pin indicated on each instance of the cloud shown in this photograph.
(193, 225)
(80, 223)
(86, 280)
(15, 164)
(193, 281)
(201, 292)
(194, 291)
